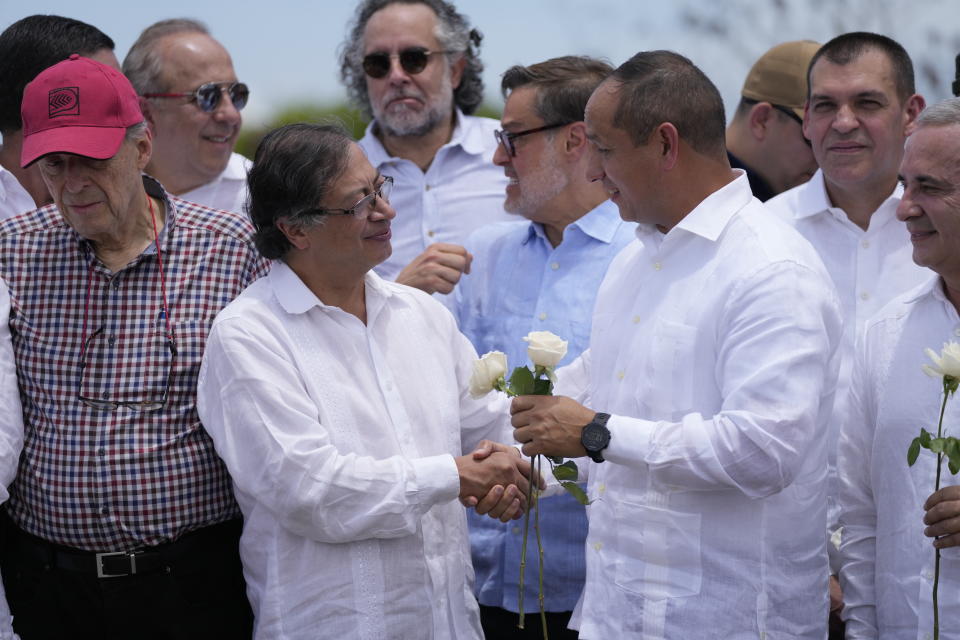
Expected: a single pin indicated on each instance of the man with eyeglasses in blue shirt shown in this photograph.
(190, 95)
(539, 274)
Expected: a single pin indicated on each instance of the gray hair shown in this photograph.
(453, 33)
(143, 65)
(942, 114)
(136, 131)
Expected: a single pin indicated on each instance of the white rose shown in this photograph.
(945, 364)
(545, 349)
(486, 371)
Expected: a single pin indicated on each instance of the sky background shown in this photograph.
(287, 51)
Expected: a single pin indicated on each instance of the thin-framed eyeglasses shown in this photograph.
(413, 60)
(207, 96)
(506, 138)
(364, 206)
(145, 404)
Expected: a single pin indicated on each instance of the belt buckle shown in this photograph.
(100, 570)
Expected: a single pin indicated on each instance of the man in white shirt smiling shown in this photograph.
(191, 98)
(861, 105)
(414, 68)
(712, 384)
(888, 559)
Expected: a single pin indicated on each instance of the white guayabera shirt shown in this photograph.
(888, 564)
(340, 440)
(715, 349)
(869, 268)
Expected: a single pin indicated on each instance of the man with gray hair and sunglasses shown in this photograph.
(190, 95)
(412, 66)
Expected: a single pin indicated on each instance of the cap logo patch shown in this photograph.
(64, 101)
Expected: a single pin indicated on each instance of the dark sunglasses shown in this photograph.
(208, 95)
(412, 60)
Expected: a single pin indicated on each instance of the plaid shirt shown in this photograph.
(122, 479)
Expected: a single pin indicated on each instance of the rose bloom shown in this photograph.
(486, 371)
(545, 349)
(945, 364)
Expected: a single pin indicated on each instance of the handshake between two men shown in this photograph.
(494, 479)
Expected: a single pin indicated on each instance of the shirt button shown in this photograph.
(656, 266)
(598, 545)
(636, 319)
(864, 296)
(602, 487)
(427, 187)
(116, 283)
(620, 375)
(516, 531)
(928, 575)
(542, 316)
(554, 265)
(101, 451)
(431, 233)
(105, 395)
(104, 511)
(865, 244)
(112, 340)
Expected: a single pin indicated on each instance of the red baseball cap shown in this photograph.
(77, 106)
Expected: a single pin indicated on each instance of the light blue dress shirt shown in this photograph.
(520, 283)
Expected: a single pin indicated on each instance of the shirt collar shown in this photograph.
(236, 168)
(600, 223)
(812, 198)
(295, 297)
(709, 218)
(467, 134)
(932, 286)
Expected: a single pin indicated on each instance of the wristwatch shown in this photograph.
(595, 436)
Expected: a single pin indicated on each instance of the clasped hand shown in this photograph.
(493, 480)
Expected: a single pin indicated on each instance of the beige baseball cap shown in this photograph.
(780, 75)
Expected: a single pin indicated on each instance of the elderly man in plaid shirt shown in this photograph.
(121, 522)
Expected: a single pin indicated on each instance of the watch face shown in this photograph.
(594, 437)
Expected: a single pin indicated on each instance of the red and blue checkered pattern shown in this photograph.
(119, 480)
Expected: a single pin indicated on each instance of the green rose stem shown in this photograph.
(536, 527)
(949, 385)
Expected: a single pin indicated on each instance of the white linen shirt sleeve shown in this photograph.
(858, 511)
(765, 427)
(11, 430)
(254, 404)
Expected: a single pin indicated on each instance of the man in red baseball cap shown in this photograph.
(121, 514)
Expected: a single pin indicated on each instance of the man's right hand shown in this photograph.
(437, 269)
(482, 480)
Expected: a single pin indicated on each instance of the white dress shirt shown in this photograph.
(869, 268)
(14, 199)
(709, 512)
(11, 430)
(460, 191)
(887, 570)
(340, 439)
(228, 191)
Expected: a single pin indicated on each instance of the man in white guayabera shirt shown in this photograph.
(887, 556)
(414, 67)
(861, 105)
(708, 385)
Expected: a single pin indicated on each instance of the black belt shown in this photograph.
(194, 546)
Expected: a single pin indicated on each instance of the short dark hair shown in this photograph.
(293, 170)
(663, 86)
(563, 85)
(143, 65)
(453, 33)
(32, 44)
(847, 47)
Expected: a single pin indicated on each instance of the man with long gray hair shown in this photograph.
(413, 67)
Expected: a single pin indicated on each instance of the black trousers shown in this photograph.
(500, 624)
(198, 594)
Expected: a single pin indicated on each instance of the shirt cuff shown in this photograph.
(437, 480)
(629, 440)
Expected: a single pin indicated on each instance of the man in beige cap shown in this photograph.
(765, 137)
